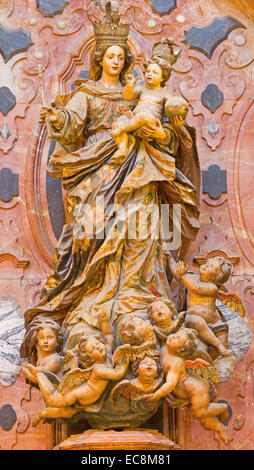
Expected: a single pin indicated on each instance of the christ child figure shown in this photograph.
(202, 313)
(153, 100)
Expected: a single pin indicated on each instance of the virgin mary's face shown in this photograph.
(113, 61)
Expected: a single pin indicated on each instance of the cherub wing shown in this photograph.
(202, 368)
(232, 301)
(201, 354)
(198, 353)
(126, 389)
(147, 348)
(121, 354)
(71, 360)
(122, 388)
(73, 378)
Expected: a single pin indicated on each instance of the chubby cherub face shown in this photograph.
(95, 350)
(161, 314)
(47, 340)
(135, 331)
(176, 109)
(147, 369)
(210, 270)
(182, 342)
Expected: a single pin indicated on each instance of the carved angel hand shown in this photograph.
(34, 370)
(181, 269)
(29, 374)
(151, 398)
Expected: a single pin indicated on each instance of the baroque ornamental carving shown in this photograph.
(122, 325)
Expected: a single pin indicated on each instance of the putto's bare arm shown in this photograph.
(193, 282)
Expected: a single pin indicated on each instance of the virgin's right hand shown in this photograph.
(48, 112)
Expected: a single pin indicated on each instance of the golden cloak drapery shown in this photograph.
(115, 273)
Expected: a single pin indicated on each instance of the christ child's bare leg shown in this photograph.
(133, 124)
(122, 145)
(122, 127)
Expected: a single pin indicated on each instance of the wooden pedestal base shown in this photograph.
(136, 439)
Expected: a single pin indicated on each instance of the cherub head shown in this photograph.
(157, 71)
(147, 369)
(135, 331)
(91, 349)
(48, 337)
(161, 312)
(176, 108)
(216, 270)
(183, 343)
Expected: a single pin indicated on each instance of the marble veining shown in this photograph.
(11, 335)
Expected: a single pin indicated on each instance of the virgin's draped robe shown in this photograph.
(118, 274)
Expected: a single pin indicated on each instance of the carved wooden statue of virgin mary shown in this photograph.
(105, 270)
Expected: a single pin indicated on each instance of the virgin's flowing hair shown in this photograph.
(97, 55)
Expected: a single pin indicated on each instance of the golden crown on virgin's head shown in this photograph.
(111, 29)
